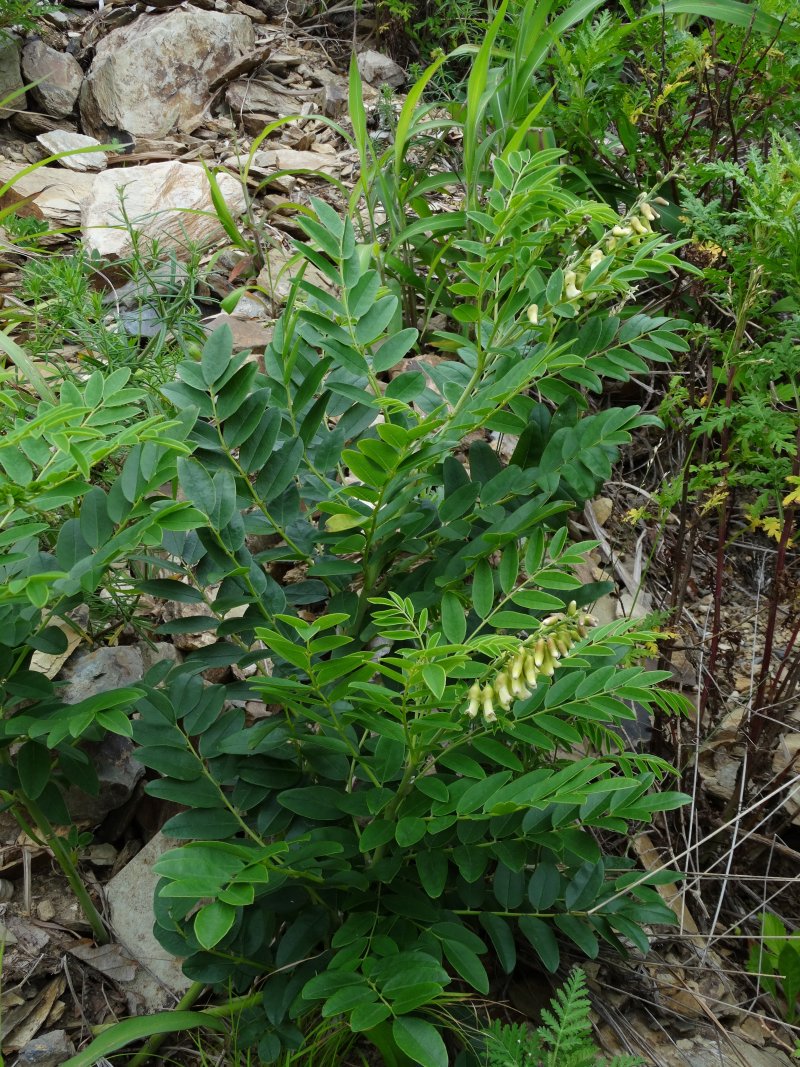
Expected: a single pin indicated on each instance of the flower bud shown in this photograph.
(637, 226)
(519, 689)
(502, 690)
(487, 695)
(621, 231)
(548, 667)
(552, 649)
(530, 671)
(539, 652)
(517, 664)
(595, 258)
(572, 293)
(572, 607)
(533, 314)
(474, 700)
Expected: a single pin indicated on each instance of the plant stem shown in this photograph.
(64, 860)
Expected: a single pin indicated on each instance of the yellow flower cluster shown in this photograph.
(635, 227)
(538, 656)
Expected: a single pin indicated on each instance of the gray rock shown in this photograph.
(282, 9)
(118, 772)
(10, 78)
(378, 69)
(64, 141)
(113, 758)
(36, 122)
(167, 202)
(170, 61)
(724, 1051)
(159, 981)
(46, 1050)
(89, 673)
(59, 76)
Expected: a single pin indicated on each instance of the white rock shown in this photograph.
(65, 141)
(378, 69)
(59, 76)
(59, 193)
(168, 202)
(160, 980)
(153, 75)
(270, 160)
(279, 271)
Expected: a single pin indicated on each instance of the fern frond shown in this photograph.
(563, 1040)
(568, 1029)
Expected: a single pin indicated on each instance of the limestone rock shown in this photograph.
(729, 1051)
(168, 202)
(59, 76)
(378, 69)
(159, 981)
(37, 122)
(154, 74)
(64, 141)
(268, 163)
(282, 9)
(278, 273)
(118, 773)
(10, 78)
(113, 758)
(249, 333)
(249, 95)
(89, 673)
(59, 193)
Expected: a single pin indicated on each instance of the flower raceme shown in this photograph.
(537, 656)
(630, 230)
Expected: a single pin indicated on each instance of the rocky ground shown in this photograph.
(174, 87)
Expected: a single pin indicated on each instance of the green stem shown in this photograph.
(64, 860)
(154, 1043)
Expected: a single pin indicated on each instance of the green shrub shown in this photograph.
(398, 811)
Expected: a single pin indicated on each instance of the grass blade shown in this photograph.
(129, 1030)
(20, 358)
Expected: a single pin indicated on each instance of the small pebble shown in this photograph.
(45, 911)
(102, 855)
